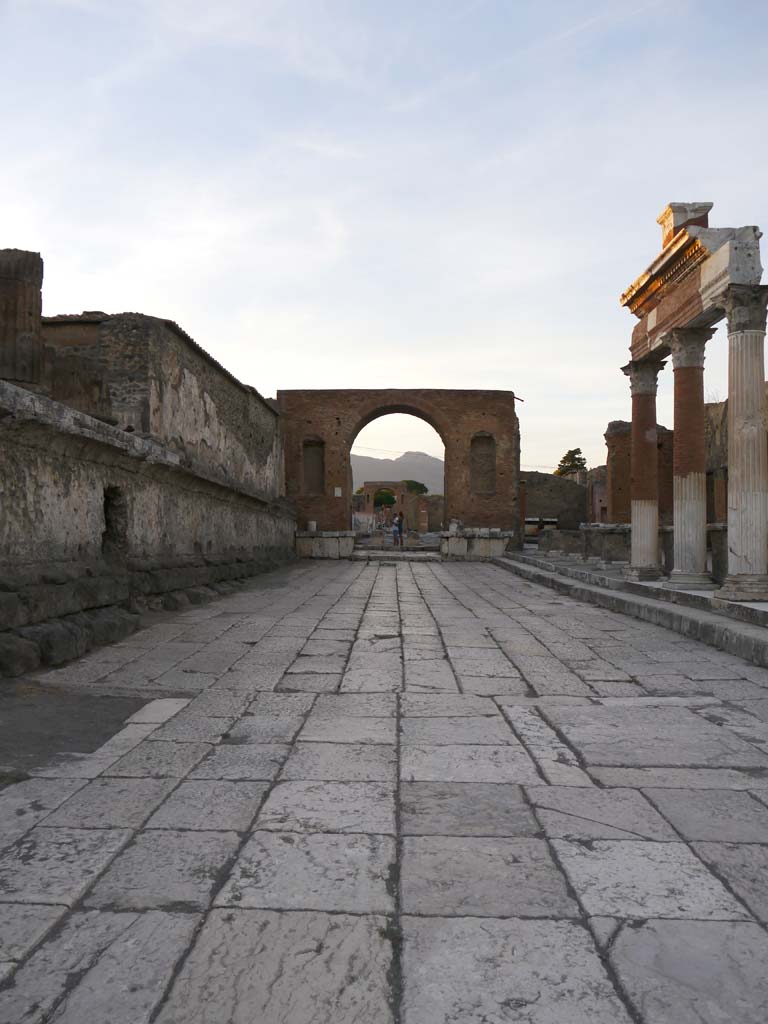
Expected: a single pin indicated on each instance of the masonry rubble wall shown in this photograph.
(555, 497)
(98, 524)
(135, 472)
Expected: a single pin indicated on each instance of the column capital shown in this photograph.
(745, 307)
(687, 344)
(643, 376)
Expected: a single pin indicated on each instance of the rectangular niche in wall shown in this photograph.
(314, 467)
(482, 464)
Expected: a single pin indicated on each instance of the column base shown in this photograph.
(744, 588)
(680, 580)
(643, 573)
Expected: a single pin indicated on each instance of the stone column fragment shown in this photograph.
(21, 305)
(643, 378)
(747, 578)
(689, 480)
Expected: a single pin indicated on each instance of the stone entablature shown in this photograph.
(685, 286)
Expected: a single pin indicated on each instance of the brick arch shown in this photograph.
(337, 417)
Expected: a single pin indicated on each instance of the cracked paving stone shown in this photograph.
(159, 759)
(669, 736)
(474, 731)
(349, 729)
(100, 967)
(464, 809)
(57, 865)
(329, 807)
(165, 869)
(744, 868)
(24, 804)
(22, 925)
(569, 813)
(448, 705)
(484, 877)
(355, 705)
(481, 971)
(316, 871)
(309, 683)
(714, 815)
(638, 879)
(297, 968)
(341, 762)
(265, 729)
(112, 803)
(694, 972)
(215, 806)
(259, 762)
(464, 763)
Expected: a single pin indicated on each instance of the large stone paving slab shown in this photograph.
(465, 763)
(439, 731)
(22, 925)
(57, 865)
(569, 813)
(112, 803)
(482, 877)
(27, 802)
(694, 972)
(319, 871)
(330, 807)
(341, 762)
(672, 736)
(744, 868)
(481, 971)
(251, 966)
(713, 815)
(636, 879)
(210, 805)
(251, 761)
(101, 967)
(464, 809)
(166, 870)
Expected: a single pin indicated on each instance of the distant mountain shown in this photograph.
(408, 466)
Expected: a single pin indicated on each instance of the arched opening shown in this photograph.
(397, 464)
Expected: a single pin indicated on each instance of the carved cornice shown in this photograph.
(685, 254)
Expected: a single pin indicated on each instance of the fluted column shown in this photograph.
(689, 466)
(645, 481)
(747, 578)
(21, 280)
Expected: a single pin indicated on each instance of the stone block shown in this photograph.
(329, 807)
(17, 655)
(12, 611)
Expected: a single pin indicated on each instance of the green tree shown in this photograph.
(383, 498)
(415, 487)
(571, 462)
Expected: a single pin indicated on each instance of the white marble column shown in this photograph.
(747, 578)
(645, 563)
(689, 481)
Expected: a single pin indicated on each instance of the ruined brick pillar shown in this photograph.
(618, 441)
(689, 460)
(21, 304)
(644, 563)
(747, 578)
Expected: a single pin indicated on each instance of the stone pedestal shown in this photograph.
(327, 544)
(21, 281)
(747, 578)
(475, 545)
(689, 480)
(643, 378)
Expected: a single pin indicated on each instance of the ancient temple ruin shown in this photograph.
(701, 276)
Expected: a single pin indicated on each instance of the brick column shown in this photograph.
(689, 481)
(644, 563)
(21, 304)
(747, 578)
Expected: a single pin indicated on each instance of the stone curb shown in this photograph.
(742, 639)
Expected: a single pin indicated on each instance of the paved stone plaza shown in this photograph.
(379, 793)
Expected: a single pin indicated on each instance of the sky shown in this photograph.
(431, 193)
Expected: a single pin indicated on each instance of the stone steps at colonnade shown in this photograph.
(736, 627)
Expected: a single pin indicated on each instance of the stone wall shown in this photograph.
(618, 440)
(555, 497)
(99, 523)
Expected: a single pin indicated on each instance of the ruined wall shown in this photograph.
(478, 428)
(556, 497)
(618, 440)
(94, 517)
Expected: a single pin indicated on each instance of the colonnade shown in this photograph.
(747, 579)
